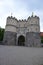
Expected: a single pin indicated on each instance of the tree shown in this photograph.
(41, 39)
(1, 34)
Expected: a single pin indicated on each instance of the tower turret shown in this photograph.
(33, 36)
(10, 31)
(11, 24)
(33, 24)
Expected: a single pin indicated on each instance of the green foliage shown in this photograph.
(41, 39)
(1, 34)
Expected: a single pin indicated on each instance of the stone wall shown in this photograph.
(9, 38)
(33, 39)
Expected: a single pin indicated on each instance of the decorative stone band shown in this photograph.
(15, 26)
(33, 24)
(11, 25)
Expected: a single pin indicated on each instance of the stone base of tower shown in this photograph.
(9, 38)
(33, 39)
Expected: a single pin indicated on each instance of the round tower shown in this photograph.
(33, 24)
(33, 36)
(10, 31)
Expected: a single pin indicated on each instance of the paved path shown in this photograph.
(14, 55)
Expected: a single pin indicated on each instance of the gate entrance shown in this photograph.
(21, 41)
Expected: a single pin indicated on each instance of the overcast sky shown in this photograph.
(20, 9)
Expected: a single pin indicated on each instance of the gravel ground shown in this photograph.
(16, 55)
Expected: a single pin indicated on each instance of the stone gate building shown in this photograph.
(22, 32)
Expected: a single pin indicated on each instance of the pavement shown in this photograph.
(19, 55)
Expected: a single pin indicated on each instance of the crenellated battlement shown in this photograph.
(23, 20)
(11, 17)
(31, 23)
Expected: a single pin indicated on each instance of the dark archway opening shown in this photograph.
(21, 41)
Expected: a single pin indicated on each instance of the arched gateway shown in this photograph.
(21, 40)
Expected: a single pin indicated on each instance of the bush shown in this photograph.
(41, 39)
(1, 34)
